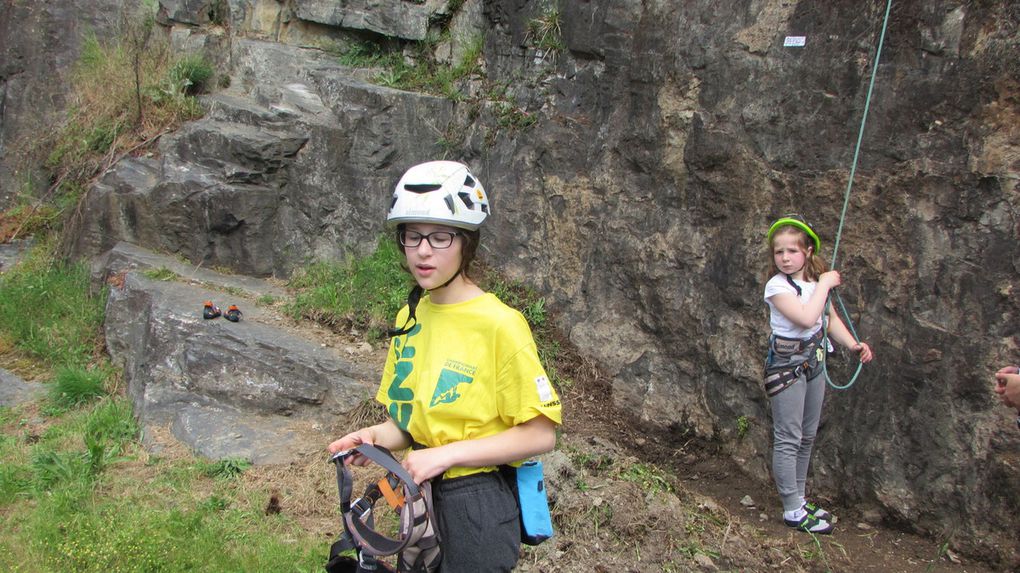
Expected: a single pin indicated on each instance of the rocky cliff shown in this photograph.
(633, 171)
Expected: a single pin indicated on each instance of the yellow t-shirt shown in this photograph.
(466, 370)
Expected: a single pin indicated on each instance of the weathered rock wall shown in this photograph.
(39, 42)
(668, 136)
(692, 127)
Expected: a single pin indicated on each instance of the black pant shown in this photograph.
(479, 523)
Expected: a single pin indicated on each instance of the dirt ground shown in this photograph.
(753, 538)
(625, 502)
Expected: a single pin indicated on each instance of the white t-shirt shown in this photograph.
(782, 326)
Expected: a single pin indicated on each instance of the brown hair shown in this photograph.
(814, 264)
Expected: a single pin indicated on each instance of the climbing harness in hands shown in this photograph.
(417, 540)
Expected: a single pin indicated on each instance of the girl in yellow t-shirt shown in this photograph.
(462, 383)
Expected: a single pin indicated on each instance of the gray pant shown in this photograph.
(796, 412)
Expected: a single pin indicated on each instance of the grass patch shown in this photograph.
(363, 293)
(225, 468)
(74, 386)
(47, 311)
(650, 478)
(413, 66)
(161, 274)
(163, 516)
(266, 300)
(78, 493)
(545, 30)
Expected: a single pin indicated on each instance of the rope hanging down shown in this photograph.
(846, 203)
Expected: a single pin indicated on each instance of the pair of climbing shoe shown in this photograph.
(815, 520)
(210, 311)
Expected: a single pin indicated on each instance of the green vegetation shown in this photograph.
(77, 491)
(225, 468)
(161, 274)
(360, 292)
(510, 116)
(650, 478)
(74, 386)
(813, 550)
(419, 71)
(414, 67)
(592, 462)
(743, 425)
(48, 313)
(97, 506)
(545, 31)
(266, 300)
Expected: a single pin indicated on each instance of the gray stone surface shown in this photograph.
(250, 388)
(12, 252)
(405, 20)
(298, 168)
(14, 390)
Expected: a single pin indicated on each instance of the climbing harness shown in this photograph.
(846, 203)
(809, 353)
(417, 540)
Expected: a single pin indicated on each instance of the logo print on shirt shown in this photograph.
(401, 407)
(446, 387)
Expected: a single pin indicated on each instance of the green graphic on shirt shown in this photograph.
(401, 414)
(446, 387)
(401, 407)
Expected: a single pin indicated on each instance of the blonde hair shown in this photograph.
(814, 264)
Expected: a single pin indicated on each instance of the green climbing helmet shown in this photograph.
(798, 222)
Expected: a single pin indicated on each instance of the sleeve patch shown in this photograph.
(544, 389)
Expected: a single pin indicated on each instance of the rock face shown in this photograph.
(228, 389)
(39, 42)
(261, 187)
(667, 137)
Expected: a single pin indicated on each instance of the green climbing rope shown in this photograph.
(846, 203)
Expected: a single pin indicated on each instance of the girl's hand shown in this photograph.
(427, 463)
(1008, 370)
(1008, 386)
(829, 279)
(864, 351)
(351, 441)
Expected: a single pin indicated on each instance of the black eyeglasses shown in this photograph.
(436, 239)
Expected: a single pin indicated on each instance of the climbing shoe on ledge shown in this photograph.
(210, 310)
(810, 524)
(233, 313)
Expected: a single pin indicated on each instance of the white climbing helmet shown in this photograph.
(441, 192)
